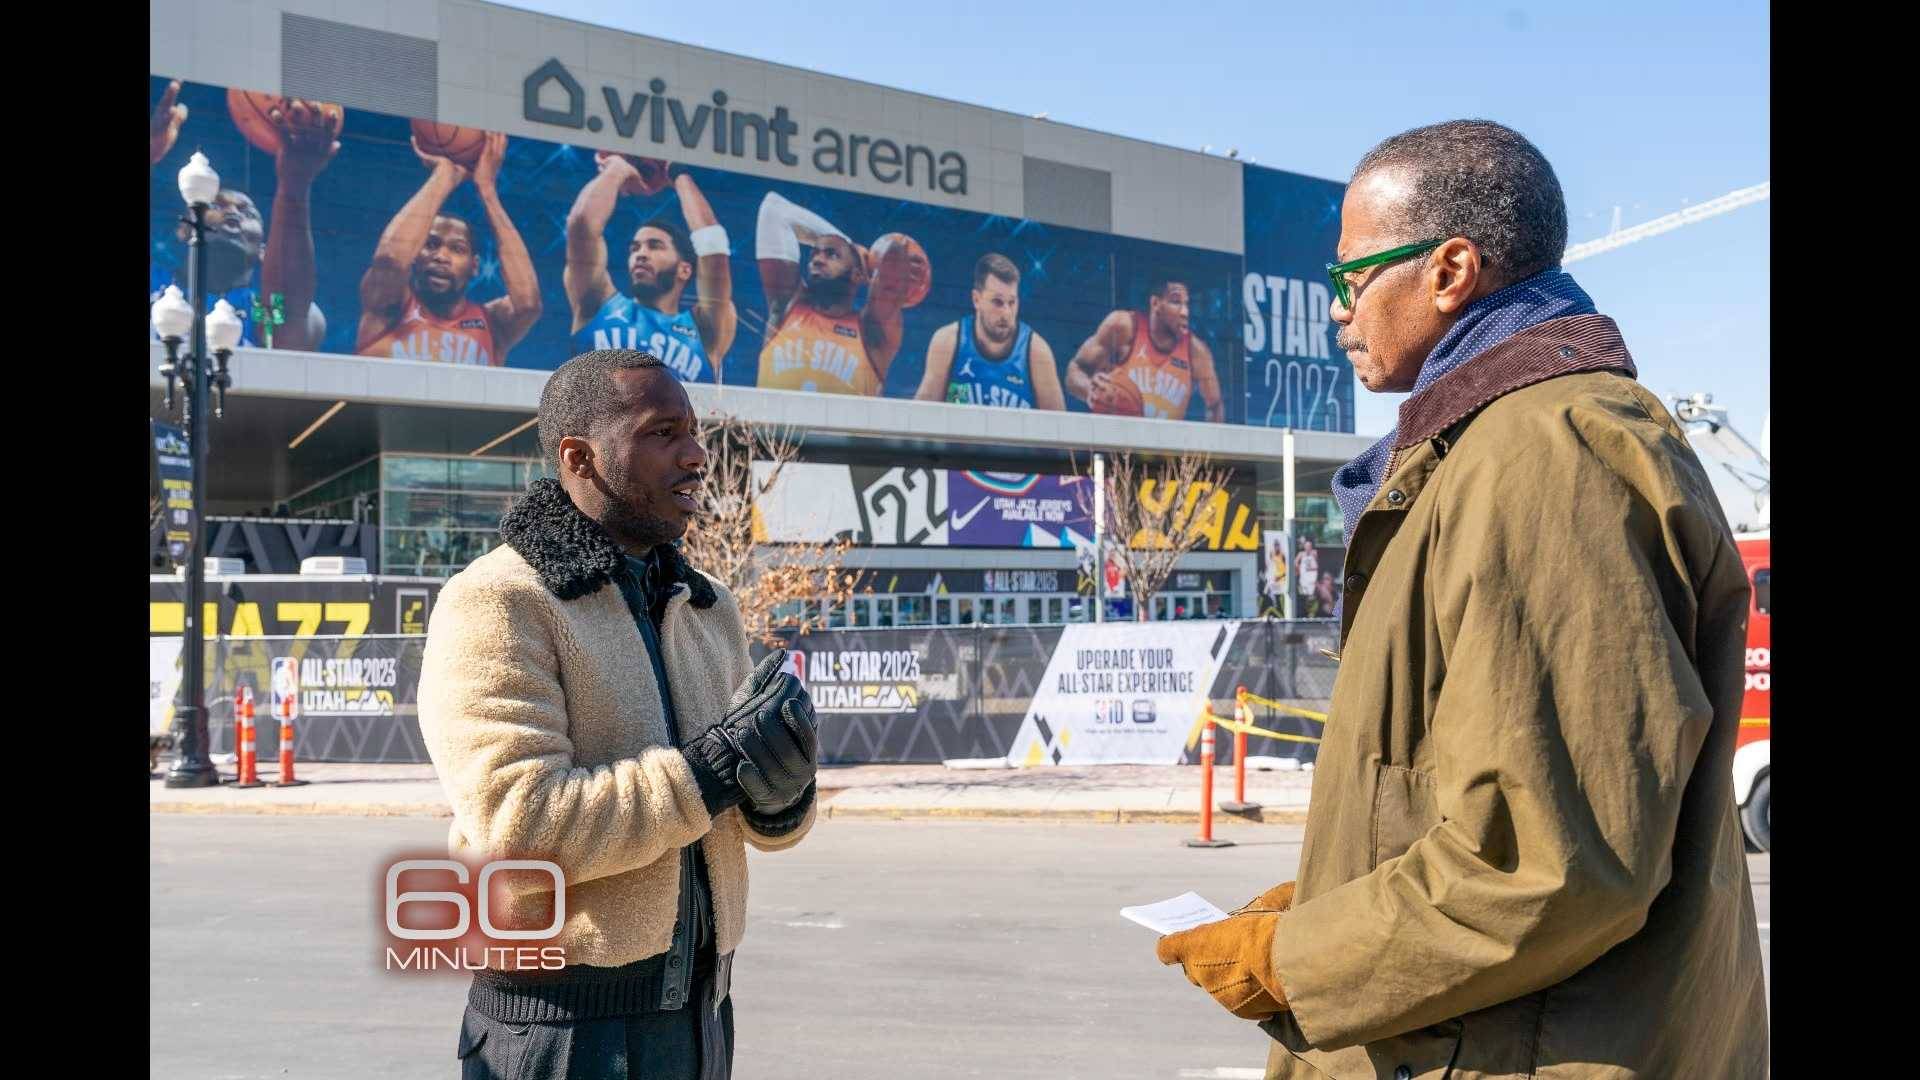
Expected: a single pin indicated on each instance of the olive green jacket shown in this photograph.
(1522, 855)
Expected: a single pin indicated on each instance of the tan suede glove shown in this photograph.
(1233, 959)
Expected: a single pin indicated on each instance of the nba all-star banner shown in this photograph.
(163, 681)
(175, 464)
(899, 506)
(1035, 695)
(1122, 694)
(351, 699)
(296, 605)
(990, 310)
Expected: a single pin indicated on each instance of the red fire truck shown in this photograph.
(1752, 782)
(1752, 758)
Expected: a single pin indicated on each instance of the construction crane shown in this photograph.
(1747, 463)
(1618, 237)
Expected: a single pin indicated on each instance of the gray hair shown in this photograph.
(1483, 181)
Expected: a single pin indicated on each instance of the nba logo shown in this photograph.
(795, 665)
(286, 683)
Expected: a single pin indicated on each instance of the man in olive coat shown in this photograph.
(1522, 856)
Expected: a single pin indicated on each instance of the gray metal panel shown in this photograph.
(1071, 195)
(329, 377)
(358, 67)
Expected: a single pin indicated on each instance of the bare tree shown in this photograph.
(1164, 507)
(779, 586)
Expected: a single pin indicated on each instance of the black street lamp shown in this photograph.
(174, 317)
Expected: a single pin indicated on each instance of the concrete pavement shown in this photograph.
(1106, 793)
(938, 950)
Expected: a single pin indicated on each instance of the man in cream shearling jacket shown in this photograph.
(587, 698)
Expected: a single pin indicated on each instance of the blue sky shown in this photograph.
(1638, 105)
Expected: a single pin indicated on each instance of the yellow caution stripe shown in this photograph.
(1249, 729)
(1290, 710)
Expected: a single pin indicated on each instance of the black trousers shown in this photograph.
(647, 1046)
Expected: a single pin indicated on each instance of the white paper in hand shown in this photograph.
(1183, 912)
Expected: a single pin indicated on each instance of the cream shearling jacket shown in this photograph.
(544, 722)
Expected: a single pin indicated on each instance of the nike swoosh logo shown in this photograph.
(959, 521)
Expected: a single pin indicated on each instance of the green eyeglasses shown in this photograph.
(1338, 271)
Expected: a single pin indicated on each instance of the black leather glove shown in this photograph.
(762, 752)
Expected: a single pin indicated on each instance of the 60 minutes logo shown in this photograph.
(468, 900)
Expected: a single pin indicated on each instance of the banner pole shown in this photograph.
(1099, 538)
(1288, 494)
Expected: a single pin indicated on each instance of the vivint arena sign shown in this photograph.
(667, 120)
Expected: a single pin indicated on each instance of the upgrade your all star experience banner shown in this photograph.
(1121, 694)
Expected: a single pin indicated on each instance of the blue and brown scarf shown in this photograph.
(1549, 294)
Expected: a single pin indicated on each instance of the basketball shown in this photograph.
(920, 273)
(461, 145)
(1122, 398)
(261, 117)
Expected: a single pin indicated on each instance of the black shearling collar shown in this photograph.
(573, 554)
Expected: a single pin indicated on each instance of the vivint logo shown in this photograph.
(551, 95)
(454, 927)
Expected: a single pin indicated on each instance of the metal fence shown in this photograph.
(922, 694)
(975, 683)
(355, 697)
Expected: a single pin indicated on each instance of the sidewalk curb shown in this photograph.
(1115, 816)
(431, 810)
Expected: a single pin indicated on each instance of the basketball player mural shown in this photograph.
(662, 257)
(413, 297)
(1147, 363)
(301, 136)
(991, 357)
(816, 338)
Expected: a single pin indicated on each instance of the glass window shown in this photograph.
(472, 545)
(1034, 606)
(413, 551)
(786, 613)
(526, 472)
(1763, 591)
(913, 610)
(883, 611)
(415, 472)
(480, 511)
(964, 606)
(480, 474)
(943, 611)
(1008, 611)
(1055, 609)
(811, 613)
(836, 615)
(418, 509)
(862, 612)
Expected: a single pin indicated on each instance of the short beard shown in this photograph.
(647, 294)
(827, 292)
(442, 300)
(1348, 341)
(633, 526)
